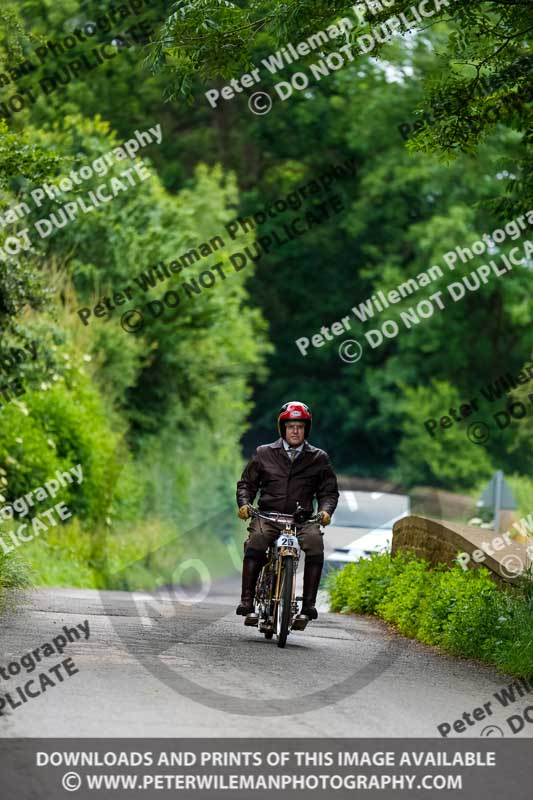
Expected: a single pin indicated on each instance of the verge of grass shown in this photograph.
(464, 613)
(143, 556)
(14, 574)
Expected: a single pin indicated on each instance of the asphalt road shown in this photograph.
(171, 667)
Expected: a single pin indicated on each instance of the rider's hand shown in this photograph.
(323, 518)
(244, 512)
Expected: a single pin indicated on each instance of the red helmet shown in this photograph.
(296, 411)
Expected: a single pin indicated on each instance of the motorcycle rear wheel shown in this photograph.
(283, 611)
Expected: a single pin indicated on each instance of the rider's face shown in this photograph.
(295, 433)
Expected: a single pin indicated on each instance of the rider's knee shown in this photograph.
(255, 555)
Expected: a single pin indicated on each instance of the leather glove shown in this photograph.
(323, 518)
(244, 512)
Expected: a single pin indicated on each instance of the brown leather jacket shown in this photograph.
(283, 483)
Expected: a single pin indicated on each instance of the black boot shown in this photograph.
(250, 573)
(312, 573)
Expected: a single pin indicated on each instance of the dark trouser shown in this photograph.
(261, 535)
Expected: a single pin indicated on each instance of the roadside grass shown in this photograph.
(464, 613)
(143, 556)
(14, 574)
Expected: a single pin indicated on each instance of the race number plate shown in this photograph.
(288, 540)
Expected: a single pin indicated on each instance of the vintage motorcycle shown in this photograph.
(275, 595)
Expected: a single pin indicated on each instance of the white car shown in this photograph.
(378, 541)
(358, 509)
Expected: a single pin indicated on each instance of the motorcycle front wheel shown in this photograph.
(283, 612)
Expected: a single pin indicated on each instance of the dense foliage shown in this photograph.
(483, 67)
(465, 613)
(154, 418)
(459, 87)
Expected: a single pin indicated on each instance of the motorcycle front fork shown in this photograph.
(275, 591)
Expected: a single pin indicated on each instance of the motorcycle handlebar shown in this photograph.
(256, 513)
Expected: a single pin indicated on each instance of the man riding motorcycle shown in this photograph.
(287, 472)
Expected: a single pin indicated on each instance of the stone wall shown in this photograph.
(439, 542)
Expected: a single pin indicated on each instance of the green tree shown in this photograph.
(427, 455)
